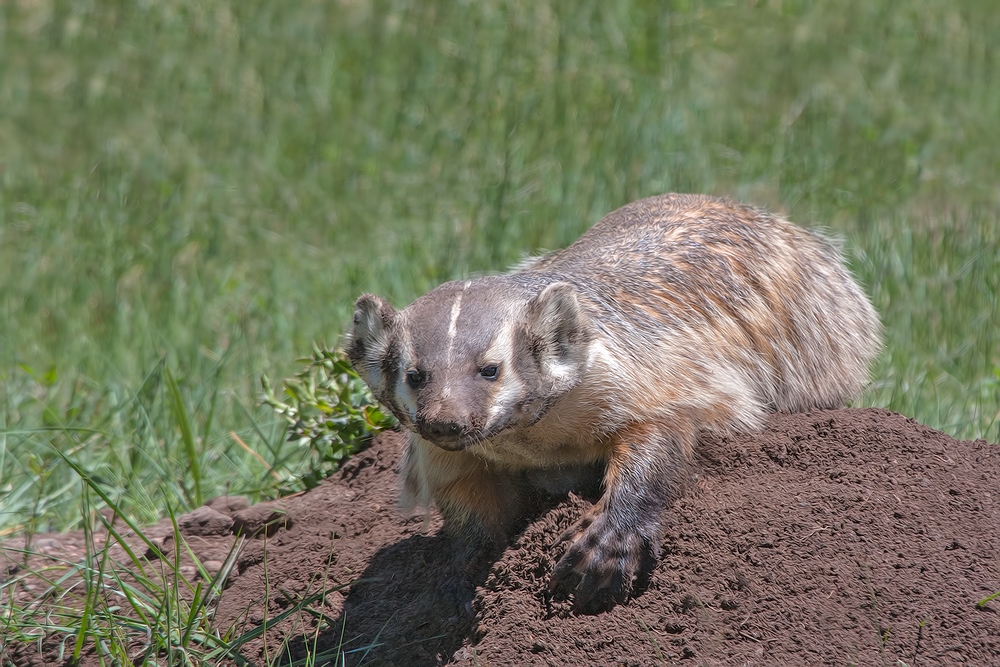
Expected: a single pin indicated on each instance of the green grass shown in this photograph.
(130, 610)
(192, 193)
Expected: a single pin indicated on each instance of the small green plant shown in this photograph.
(329, 410)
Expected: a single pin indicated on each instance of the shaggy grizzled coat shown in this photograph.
(672, 316)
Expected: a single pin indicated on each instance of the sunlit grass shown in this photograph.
(942, 371)
(191, 193)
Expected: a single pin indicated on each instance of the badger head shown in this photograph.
(470, 360)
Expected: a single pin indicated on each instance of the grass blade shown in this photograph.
(187, 435)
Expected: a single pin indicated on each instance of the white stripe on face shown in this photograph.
(403, 392)
(456, 308)
(511, 387)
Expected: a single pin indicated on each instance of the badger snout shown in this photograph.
(445, 434)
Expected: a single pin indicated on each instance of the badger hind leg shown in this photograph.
(618, 541)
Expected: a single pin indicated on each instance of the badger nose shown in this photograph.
(440, 432)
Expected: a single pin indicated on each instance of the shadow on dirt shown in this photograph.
(412, 605)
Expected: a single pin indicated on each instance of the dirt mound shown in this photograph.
(834, 537)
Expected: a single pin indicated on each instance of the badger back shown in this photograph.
(701, 285)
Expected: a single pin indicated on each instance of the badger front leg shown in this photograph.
(479, 504)
(620, 536)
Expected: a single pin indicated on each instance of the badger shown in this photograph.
(672, 317)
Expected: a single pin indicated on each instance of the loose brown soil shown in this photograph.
(834, 537)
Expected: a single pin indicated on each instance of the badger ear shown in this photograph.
(372, 317)
(559, 328)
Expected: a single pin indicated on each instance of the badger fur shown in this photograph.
(673, 316)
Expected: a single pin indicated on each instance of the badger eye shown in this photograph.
(415, 378)
(490, 372)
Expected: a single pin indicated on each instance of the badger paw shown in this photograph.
(603, 565)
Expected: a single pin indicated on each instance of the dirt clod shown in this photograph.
(204, 521)
(263, 518)
(227, 504)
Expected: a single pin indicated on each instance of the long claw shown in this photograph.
(601, 566)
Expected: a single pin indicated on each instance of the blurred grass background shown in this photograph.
(192, 192)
